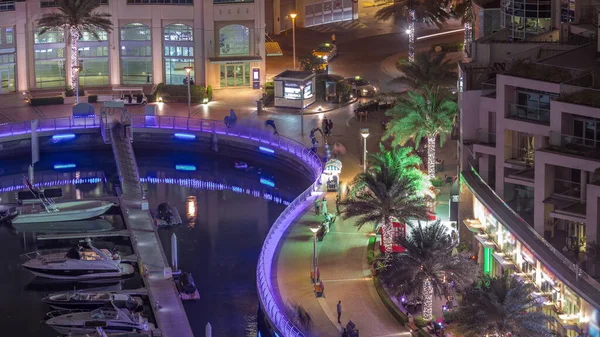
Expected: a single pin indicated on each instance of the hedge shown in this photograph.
(92, 98)
(47, 101)
(387, 301)
(179, 93)
(449, 46)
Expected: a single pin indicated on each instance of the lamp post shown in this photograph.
(188, 70)
(76, 70)
(293, 16)
(314, 230)
(302, 110)
(364, 132)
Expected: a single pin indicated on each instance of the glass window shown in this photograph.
(7, 72)
(234, 40)
(50, 36)
(175, 70)
(136, 51)
(9, 36)
(49, 74)
(178, 32)
(94, 71)
(136, 70)
(135, 32)
(87, 36)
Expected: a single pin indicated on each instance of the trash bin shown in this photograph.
(259, 105)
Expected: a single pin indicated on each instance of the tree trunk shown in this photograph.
(411, 35)
(386, 232)
(74, 36)
(468, 36)
(427, 300)
(431, 157)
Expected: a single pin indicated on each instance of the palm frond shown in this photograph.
(428, 69)
(427, 11)
(78, 14)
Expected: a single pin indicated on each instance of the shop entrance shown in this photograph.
(235, 75)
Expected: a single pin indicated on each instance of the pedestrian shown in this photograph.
(192, 81)
(324, 124)
(339, 310)
(329, 126)
(337, 204)
(147, 78)
(317, 206)
(324, 206)
(333, 38)
(185, 82)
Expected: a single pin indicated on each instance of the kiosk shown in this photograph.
(331, 175)
(294, 89)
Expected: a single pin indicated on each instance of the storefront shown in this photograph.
(294, 89)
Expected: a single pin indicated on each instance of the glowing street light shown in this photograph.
(302, 110)
(188, 70)
(412, 18)
(314, 230)
(76, 70)
(364, 132)
(293, 16)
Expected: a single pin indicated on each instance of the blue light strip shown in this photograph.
(64, 166)
(186, 136)
(266, 149)
(63, 136)
(267, 182)
(180, 167)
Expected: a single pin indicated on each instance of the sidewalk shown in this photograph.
(344, 272)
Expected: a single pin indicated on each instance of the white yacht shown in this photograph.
(111, 320)
(92, 300)
(77, 263)
(49, 211)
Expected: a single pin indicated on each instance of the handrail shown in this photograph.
(268, 296)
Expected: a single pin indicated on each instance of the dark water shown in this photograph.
(227, 214)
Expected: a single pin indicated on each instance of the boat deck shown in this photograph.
(166, 304)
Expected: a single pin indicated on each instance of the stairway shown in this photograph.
(126, 163)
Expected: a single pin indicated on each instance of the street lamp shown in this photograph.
(188, 70)
(314, 230)
(76, 70)
(364, 132)
(302, 110)
(293, 16)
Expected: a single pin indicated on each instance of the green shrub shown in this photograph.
(371, 250)
(437, 182)
(269, 85)
(449, 47)
(387, 301)
(209, 92)
(70, 92)
(179, 94)
(420, 322)
(92, 98)
(47, 101)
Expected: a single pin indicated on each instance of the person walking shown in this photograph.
(317, 206)
(337, 203)
(324, 207)
(339, 311)
(333, 38)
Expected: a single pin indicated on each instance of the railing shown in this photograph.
(485, 137)
(7, 6)
(567, 188)
(574, 145)
(529, 113)
(269, 298)
(520, 154)
(160, 2)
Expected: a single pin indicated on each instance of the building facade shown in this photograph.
(530, 161)
(151, 42)
(309, 13)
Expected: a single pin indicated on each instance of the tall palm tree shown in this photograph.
(502, 307)
(429, 68)
(428, 114)
(386, 195)
(403, 160)
(464, 10)
(76, 16)
(430, 12)
(428, 265)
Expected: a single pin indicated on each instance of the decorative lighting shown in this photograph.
(386, 231)
(411, 35)
(180, 167)
(427, 300)
(266, 149)
(267, 182)
(64, 166)
(160, 100)
(431, 157)
(186, 136)
(62, 136)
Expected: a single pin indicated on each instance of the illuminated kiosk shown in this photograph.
(331, 175)
(294, 89)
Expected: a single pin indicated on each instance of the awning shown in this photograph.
(473, 225)
(485, 241)
(234, 59)
(505, 263)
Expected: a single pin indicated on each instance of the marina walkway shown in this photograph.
(164, 298)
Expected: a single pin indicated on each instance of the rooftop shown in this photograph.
(540, 72)
(296, 75)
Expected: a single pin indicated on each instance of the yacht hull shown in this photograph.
(68, 211)
(81, 274)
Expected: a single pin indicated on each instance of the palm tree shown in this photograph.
(429, 68)
(404, 161)
(464, 10)
(430, 12)
(428, 114)
(502, 307)
(76, 16)
(428, 265)
(386, 195)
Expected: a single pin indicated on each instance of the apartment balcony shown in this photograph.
(529, 114)
(573, 145)
(519, 158)
(7, 6)
(566, 199)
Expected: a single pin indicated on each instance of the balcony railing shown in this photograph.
(7, 6)
(521, 154)
(160, 2)
(574, 145)
(485, 137)
(567, 188)
(527, 113)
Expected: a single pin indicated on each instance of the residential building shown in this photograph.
(530, 163)
(486, 18)
(309, 13)
(151, 42)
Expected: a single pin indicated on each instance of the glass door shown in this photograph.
(239, 75)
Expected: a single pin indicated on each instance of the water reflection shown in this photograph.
(191, 207)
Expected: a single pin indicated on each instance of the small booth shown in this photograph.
(399, 231)
(294, 89)
(331, 175)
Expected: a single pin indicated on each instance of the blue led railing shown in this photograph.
(269, 298)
